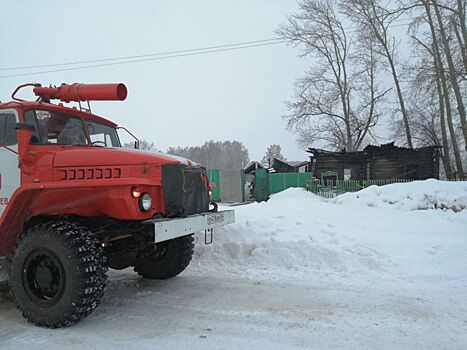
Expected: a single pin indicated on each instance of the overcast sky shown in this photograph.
(235, 95)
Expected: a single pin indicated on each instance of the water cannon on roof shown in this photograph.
(76, 92)
(82, 92)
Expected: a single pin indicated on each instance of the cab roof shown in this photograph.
(26, 105)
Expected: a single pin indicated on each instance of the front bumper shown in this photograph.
(166, 229)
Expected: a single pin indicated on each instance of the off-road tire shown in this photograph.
(75, 256)
(176, 257)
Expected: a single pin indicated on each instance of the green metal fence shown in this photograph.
(270, 183)
(278, 182)
(332, 188)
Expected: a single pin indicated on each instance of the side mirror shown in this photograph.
(136, 144)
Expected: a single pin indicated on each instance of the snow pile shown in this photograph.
(428, 194)
(352, 237)
(288, 232)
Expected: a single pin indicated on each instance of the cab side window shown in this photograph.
(30, 119)
(8, 129)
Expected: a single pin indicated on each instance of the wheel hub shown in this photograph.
(44, 277)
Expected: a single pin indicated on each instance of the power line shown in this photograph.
(142, 60)
(143, 55)
(159, 55)
(163, 53)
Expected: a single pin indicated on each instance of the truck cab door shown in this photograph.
(10, 175)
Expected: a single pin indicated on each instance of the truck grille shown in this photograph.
(185, 191)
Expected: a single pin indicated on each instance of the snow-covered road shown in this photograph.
(199, 311)
(297, 272)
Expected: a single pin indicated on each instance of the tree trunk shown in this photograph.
(461, 45)
(444, 137)
(372, 105)
(382, 37)
(405, 116)
(440, 77)
(444, 90)
(463, 25)
(401, 99)
(452, 131)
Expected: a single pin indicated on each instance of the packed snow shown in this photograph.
(382, 268)
(428, 194)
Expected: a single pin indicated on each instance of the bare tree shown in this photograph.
(443, 89)
(323, 109)
(426, 104)
(273, 151)
(442, 118)
(445, 43)
(457, 14)
(224, 155)
(430, 82)
(365, 82)
(374, 20)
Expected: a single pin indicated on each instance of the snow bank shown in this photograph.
(350, 235)
(428, 194)
(288, 232)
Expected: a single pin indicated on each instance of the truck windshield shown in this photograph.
(55, 128)
(50, 127)
(102, 135)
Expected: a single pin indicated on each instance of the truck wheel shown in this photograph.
(57, 274)
(169, 259)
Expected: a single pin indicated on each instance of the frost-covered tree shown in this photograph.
(223, 155)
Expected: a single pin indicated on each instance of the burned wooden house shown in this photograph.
(376, 163)
(282, 166)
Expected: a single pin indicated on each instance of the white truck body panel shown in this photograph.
(10, 174)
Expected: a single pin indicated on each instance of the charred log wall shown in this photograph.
(412, 164)
(337, 162)
(379, 162)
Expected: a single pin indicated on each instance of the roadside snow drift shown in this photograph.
(428, 194)
(348, 235)
(291, 232)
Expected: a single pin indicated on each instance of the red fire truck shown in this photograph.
(73, 202)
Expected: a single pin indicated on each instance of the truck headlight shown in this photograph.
(145, 202)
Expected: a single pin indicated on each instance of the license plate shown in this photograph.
(215, 218)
